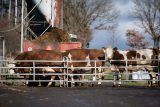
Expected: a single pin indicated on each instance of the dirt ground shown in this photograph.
(23, 96)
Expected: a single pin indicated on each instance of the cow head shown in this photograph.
(109, 53)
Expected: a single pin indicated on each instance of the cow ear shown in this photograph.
(104, 50)
(115, 48)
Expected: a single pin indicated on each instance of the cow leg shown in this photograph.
(72, 81)
(60, 78)
(81, 77)
(99, 80)
(43, 84)
(94, 79)
(33, 83)
(52, 78)
(75, 77)
(119, 79)
(115, 77)
(50, 83)
(26, 80)
(158, 80)
(61, 82)
(152, 80)
(100, 76)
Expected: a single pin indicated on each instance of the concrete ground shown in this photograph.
(105, 96)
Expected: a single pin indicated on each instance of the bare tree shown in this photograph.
(113, 33)
(135, 39)
(81, 16)
(148, 13)
(11, 36)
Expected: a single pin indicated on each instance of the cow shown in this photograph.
(39, 55)
(119, 58)
(87, 55)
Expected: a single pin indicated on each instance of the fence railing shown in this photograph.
(31, 72)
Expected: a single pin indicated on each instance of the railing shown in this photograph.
(7, 66)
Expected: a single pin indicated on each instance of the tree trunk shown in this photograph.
(156, 43)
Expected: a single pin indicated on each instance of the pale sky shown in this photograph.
(103, 38)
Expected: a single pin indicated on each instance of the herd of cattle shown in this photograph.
(57, 61)
(132, 58)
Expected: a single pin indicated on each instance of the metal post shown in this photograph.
(15, 20)
(22, 25)
(3, 48)
(9, 16)
(67, 71)
(158, 71)
(126, 69)
(95, 72)
(52, 12)
(2, 9)
(61, 25)
(158, 65)
(65, 79)
(34, 71)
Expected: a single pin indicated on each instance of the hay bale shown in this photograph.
(55, 35)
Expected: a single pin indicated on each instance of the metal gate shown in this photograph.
(7, 73)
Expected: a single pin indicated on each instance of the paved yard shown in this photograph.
(24, 96)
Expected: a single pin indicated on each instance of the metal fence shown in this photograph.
(8, 67)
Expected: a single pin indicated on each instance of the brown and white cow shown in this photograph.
(84, 58)
(39, 55)
(133, 57)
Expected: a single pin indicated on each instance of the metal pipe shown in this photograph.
(15, 20)
(34, 71)
(159, 67)
(52, 13)
(45, 30)
(22, 26)
(60, 74)
(61, 25)
(95, 72)
(126, 67)
(32, 9)
(3, 48)
(9, 14)
(67, 72)
(2, 9)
